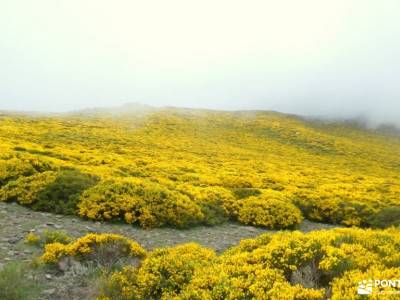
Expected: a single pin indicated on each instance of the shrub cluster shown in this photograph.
(62, 195)
(47, 237)
(270, 211)
(286, 265)
(100, 247)
(42, 189)
(139, 201)
(386, 217)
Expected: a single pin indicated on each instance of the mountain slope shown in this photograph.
(181, 167)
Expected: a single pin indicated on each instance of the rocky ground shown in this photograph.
(17, 221)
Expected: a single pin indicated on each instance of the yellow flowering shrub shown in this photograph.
(166, 271)
(162, 274)
(47, 237)
(21, 166)
(269, 211)
(139, 201)
(120, 285)
(213, 201)
(91, 246)
(271, 266)
(32, 239)
(346, 287)
(25, 190)
(332, 208)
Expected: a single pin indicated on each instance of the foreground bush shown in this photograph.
(104, 249)
(163, 274)
(344, 286)
(285, 265)
(15, 284)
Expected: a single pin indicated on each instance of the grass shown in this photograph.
(16, 284)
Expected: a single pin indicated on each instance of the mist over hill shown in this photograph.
(363, 121)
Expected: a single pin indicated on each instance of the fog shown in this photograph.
(336, 59)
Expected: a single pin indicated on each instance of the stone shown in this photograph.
(66, 264)
(49, 291)
(13, 240)
(48, 276)
(308, 275)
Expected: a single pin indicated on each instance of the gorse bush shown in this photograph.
(62, 195)
(211, 201)
(166, 271)
(272, 266)
(47, 237)
(21, 166)
(25, 190)
(336, 210)
(389, 216)
(163, 274)
(344, 287)
(270, 212)
(139, 201)
(241, 193)
(53, 191)
(105, 249)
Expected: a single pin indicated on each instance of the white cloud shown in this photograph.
(307, 56)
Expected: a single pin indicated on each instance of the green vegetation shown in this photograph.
(15, 284)
(47, 237)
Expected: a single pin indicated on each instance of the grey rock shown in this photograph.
(49, 291)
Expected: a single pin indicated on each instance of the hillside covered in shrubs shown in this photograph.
(181, 167)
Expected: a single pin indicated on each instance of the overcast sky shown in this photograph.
(338, 57)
